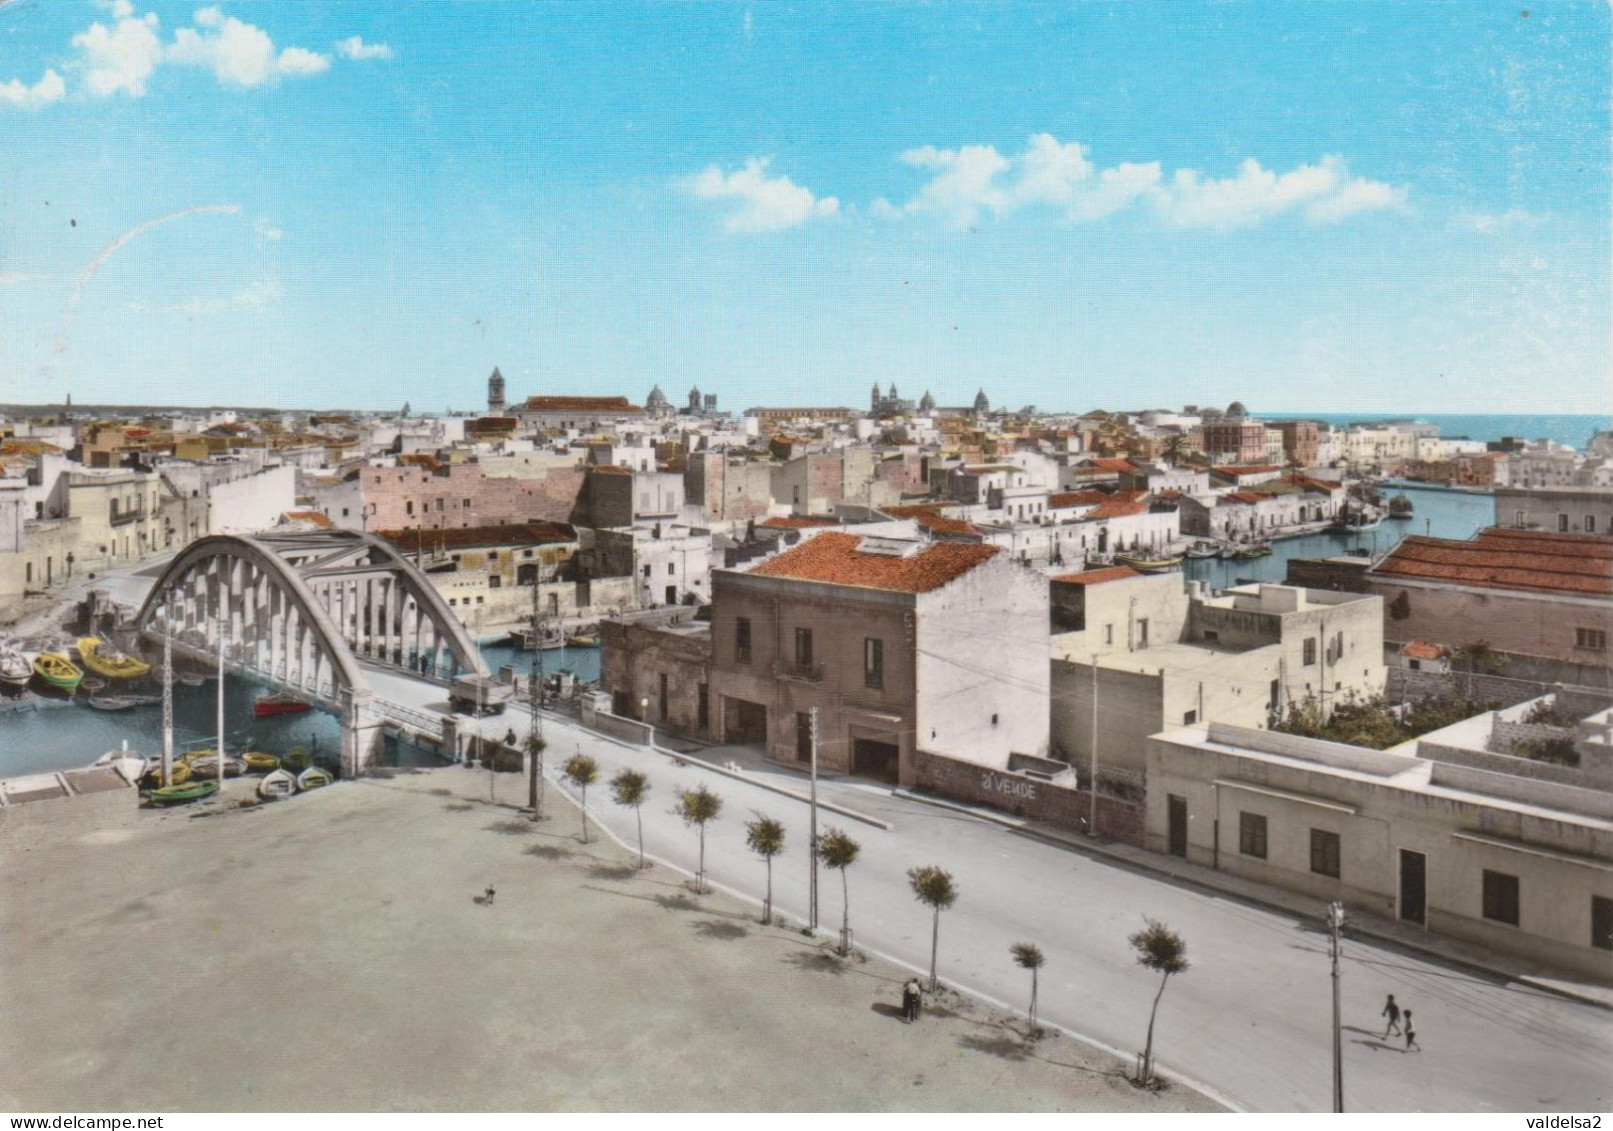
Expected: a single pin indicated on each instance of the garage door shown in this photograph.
(744, 722)
(877, 760)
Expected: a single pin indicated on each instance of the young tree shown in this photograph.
(698, 807)
(1028, 956)
(837, 852)
(1175, 449)
(583, 772)
(933, 887)
(1163, 951)
(632, 789)
(765, 836)
(1479, 657)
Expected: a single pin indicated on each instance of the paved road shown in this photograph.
(1249, 1020)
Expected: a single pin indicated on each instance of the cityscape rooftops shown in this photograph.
(851, 560)
(1579, 564)
(1098, 576)
(476, 537)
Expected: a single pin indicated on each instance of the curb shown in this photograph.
(1020, 828)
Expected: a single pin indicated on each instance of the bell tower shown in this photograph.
(495, 393)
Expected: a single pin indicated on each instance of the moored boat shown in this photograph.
(106, 661)
(280, 783)
(15, 670)
(258, 762)
(1251, 552)
(113, 702)
(177, 794)
(582, 640)
(1147, 565)
(297, 758)
(530, 639)
(269, 706)
(132, 766)
(57, 671)
(1204, 549)
(313, 778)
(207, 767)
(1401, 507)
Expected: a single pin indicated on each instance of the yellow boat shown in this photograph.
(1148, 565)
(191, 756)
(109, 662)
(179, 776)
(58, 671)
(258, 762)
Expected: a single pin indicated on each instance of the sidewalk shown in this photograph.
(1360, 923)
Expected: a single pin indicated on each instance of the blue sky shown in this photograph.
(1309, 207)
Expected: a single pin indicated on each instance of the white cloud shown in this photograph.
(12, 278)
(976, 180)
(764, 204)
(267, 232)
(50, 88)
(259, 298)
(238, 53)
(356, 48)
(119, 59)
(1487, 222)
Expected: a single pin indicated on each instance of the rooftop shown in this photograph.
(839, 559)
(1531, 561)
(477, 537)
(1098, 576)
(581, 404)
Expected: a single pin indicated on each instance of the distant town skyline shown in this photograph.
(1396, 207)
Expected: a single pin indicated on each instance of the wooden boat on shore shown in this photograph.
(104, 660)
(15, 670)
(297, 758)
(313, 778)
(1148, 565)
(179, 794)
(132, 766)
(280, 783)
(207, 767)
(259, 762)
(56, 670)
(270, 706)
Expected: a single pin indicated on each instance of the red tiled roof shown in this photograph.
(1115, 465)
(1098, 576)
(420, 459)
(612, 469)
(1249, 469)
(931, 519)
(476, 537)
(1422, 650)
(799, 522)
(581, 404)
(1118, 508)
(314, 517)
(1580, 564)
(1077, 499)
(1243, 497)
(837, 559)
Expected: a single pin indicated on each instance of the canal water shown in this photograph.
(56, 734)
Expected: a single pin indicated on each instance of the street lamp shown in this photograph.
(1335, 922)
(644, 713)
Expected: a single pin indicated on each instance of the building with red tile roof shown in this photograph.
(863, 562)
(797, 522)
(1097, 576)
(1524, 560)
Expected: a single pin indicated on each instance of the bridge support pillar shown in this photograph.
(362, 734)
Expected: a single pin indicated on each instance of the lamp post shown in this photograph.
(1335, 921)
(644, 712)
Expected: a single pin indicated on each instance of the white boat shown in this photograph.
(277, 783)
(15, 669)
(131, 766)
(113, 702)
(313, 778)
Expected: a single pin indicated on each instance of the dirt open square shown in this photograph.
(331, 952)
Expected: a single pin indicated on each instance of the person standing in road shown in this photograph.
(1392, 1012)
(907, 1002)
(487, 898)
(1411, 1035)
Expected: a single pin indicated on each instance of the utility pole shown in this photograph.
(167, 706)
(534, 785)
(1092, 769)
(1335, 921)
(812, 844)
(221, 705)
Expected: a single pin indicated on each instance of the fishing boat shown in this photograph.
(583, 640)
(1204, 549)
(92, 684)
(280, 783)
(1148, 565)
(56, 670)
(269, 706)
(258, 762)
(1251, 552)
(313, 778)
(1357, 520)
(132, 766)
(207, 767)
(297, 758)
(15, 670)
(179, 774)
(113, 702)
(529, 639)
(178, 794)
(1401, 507)
(102, 659)
(191, 756)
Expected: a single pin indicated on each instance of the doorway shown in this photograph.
(880, 760)
(1176, 832)
(1413, 886)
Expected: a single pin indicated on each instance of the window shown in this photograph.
(408, 507)
(646, 571)
(1142, 632)
(1252, 835)
(465, 504)
(1601, 922)
(803, 647)
(1325, 853)
(1190, 717)
(1501, 897)
(453, 601)
(1519, 518)
(671, 568)
(1591, 639)
(742, 640)
(874, 663)
(1562, 524)
(495, 582)
(1276, 694)
(1108, 634)
(1310, 649)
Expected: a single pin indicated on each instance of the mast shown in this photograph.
(221, 706)
(167, 708)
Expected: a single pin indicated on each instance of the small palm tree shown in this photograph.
(535, 746)
(1163, 951)
(582, 771)
(1480, 657)
(1175, 448)
(697, 807)
(1028, 956)
(933, 887)
(632, 789)
(837, 852)
(765, 836)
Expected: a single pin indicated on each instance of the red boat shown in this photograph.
(268, 706)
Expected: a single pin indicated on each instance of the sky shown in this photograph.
(1319, 207)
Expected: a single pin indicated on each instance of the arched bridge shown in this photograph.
(302, 610)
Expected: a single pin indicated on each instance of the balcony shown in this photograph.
(123, 518)
(799, 673)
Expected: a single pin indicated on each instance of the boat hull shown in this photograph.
(313, 778)
(113, 665)
(275, 705)
(179, 794)
(56, 670)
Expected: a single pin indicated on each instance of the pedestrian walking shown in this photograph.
(1411, 1035)
(1392, 1012)
(487, 897)
(509, 738)
(912, 1000)
(907, 1003)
